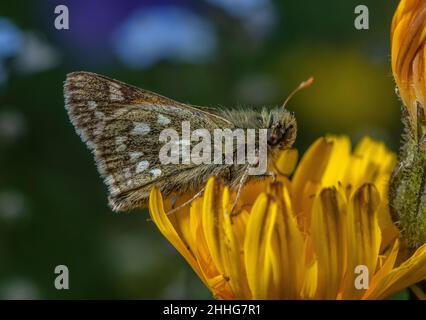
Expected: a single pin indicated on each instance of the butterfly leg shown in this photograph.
(186, 203)
(240, 187)
(243, 181)
(173, 201)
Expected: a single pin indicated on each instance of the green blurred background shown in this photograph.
(53, 205)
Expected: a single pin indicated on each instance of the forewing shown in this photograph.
(121, 125)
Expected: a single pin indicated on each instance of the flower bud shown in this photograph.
(408, 183)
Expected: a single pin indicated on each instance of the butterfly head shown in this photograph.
(282, 129)
(282, 126)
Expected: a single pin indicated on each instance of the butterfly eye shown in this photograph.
(275, 135)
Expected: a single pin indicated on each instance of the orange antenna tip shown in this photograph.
(307, 83)
(303, 85)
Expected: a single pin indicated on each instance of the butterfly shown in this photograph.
(121, 125)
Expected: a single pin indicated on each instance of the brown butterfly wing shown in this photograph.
(121, 124)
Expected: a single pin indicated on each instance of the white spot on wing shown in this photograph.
(99, 114)
(140, 128)
(127, 173)
(115, 93)
(155, 173)
(92, 105)
(142, 166)
(90, 144)
(163, 120)
(135, 155)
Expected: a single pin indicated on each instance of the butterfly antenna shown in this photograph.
(305, 84)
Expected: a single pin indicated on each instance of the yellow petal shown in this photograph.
(286, 162)
(363, 236)
(233, 261)
(291, 246)
(310, 169)
(259, 273)
(212, 220)
(384, 270)
(250, 192)
(156, 210)
(310, 282)
(338, 161)
(371, 162)
(408, 273)
(323, 164)
(329, 238)
(201, 250)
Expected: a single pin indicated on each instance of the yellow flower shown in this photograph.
(408, 36)
(302, 238)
